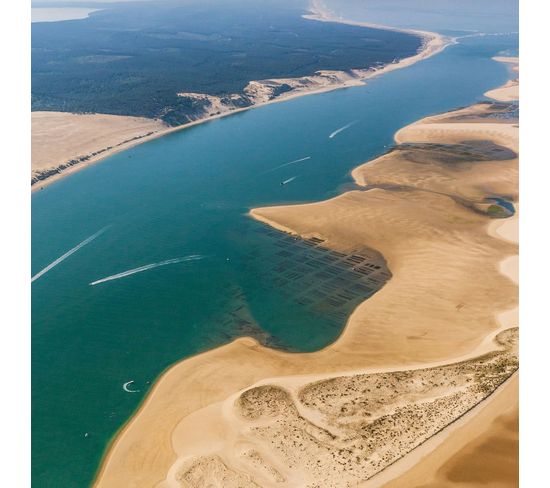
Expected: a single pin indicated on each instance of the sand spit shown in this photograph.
(81, 139)
(510, 90)
(432, 41)
(445, 303)
(334, 432)
(88, 138)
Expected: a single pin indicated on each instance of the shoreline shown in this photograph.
(473, 422)
(434, 43)
(510, 90)
(234, 363)
(507, 319)
(317, 13)
(78, 137)
(465, 431)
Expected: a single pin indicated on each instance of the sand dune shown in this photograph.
(333, 432)
(81, 139)
(480, 450)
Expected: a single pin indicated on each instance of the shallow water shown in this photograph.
(444, 16)
(188, 194)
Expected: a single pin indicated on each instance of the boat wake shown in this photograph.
(288, 181)
(487, 34)
(147, 267)
(126, 387)
(287, 164)
(68, 253)
(341, 129)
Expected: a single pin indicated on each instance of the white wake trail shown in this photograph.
(289, 180)
(147, 267)
(341, 129)
(287, 164)
(486, 34)
(68, 253)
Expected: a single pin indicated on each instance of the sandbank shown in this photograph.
(444, 303)
(481, 449)
(510, 90)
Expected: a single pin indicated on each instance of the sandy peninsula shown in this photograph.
(82, 139)
(427, 355)
(510, 90)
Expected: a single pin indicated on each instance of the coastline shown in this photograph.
(81, 139)
(422, 466)
(366, 344)
(510, 90)
(425, 463)
(433, 44)
(432, 40)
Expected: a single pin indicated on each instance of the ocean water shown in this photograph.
(444, 16)
(188, 194)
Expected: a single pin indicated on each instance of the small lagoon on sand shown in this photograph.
(187, 195)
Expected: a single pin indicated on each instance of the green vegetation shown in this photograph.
(498, 212)
(495, 210)
(134, 59)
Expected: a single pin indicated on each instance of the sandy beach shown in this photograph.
(89, 138)
(510, 90)
(479, 450)
(432, 349)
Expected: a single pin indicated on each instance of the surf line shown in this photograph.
(68, 253)
(287, 164)
(341, 129)
(123, 274)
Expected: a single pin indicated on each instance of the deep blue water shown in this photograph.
(189, 193)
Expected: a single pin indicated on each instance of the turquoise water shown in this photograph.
(188, 194)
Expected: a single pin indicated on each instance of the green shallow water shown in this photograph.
(189, 193)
